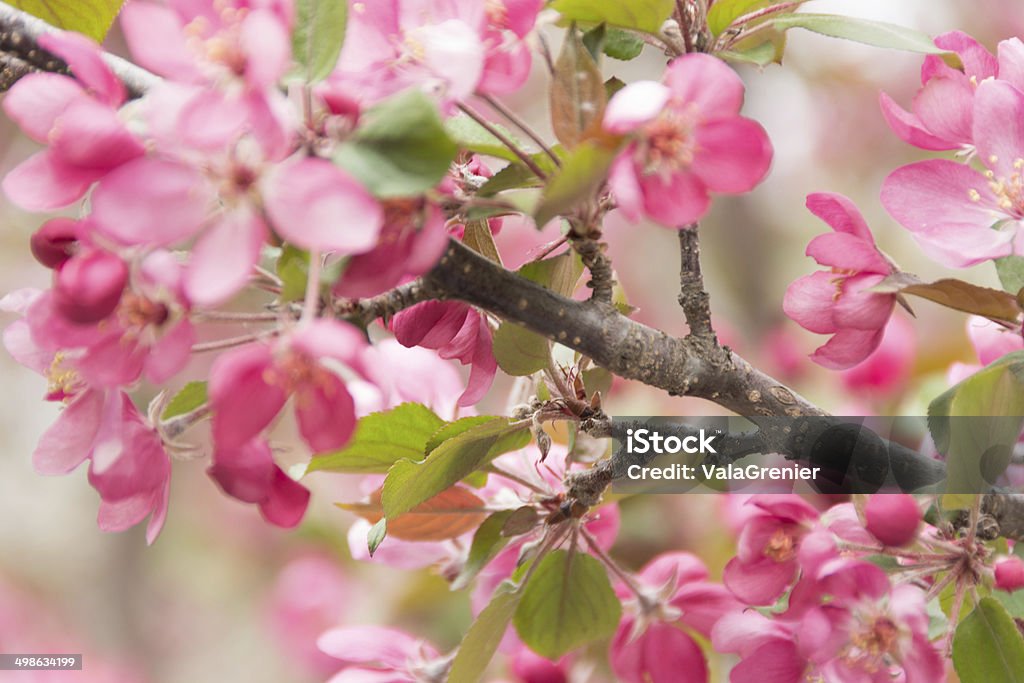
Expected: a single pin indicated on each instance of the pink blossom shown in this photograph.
(943, 109)
(950, 208)
(687, 140)
(992, 341)
(397, 374)
(766, 561)
(77, 118)
(454, 330)
(248, 472)
(378, 654)
(652, 643)
(838, 301)
(893, 518)
(250, 385)
(1009, 573)
(529, 667)
(888, 369)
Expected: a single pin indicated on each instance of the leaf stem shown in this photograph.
(519, 123)
(503, 139)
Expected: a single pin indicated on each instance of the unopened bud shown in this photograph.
(55, 242)
(1010, 574)
(89, 286)
(893, 519)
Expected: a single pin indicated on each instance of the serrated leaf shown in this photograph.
(639, 15)
(977, 423)
(89, 17)
(577, 96)
(410, 483)
(568, 601)
(471, 136)
(318, 36)
(453, 429)
(479, 238)
(559, 273)
(1010, 270)
(449, 514)
(866, 31)
(191, 396)
(381, 439)
(724, 12)
(988, 647)
(401, 147)
(519, 351)
(582, 174)
(487, 543)
(483, 637)
(375, 536)
(963, 296)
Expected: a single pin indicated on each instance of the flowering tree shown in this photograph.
(325, 180)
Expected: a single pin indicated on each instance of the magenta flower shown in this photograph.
(893, 518)
(886, 371)
(687, 140)
(454, 330)
(250, 385)
(839, 301)
(766, 561)
(652, 644)
(943, 109)
(958, 215)
(77, 118)
(248, 472)
(1009, 573)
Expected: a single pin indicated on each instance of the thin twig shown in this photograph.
(517, 120)
(503, 139)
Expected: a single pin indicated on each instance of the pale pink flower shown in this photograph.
(248, 472)
(77, 118)
(960, 216)
(653, 644)
(766, 561)
(687, 140)
(943, 109)
(992, 341)
(375, 654)
(249, 386)
(454, 330)
(839, 301)
(887, 370)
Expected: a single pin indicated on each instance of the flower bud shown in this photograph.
(88, 288)
(55, 242)
(1010, 574)
(893, 519)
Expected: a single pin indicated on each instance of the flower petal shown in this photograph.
(223, 258)
(707, 82)
(675, 201)
(809, 302)
(733, 154)
(847, 348)
(841, 214)
(326, 414)
(633, 106)
(35, 102)
(242, 400)
(44, 183)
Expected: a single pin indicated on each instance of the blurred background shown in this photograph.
(222, 596)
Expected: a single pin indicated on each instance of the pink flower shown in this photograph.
(250, 385)
(766, 561)
(992, 341)
(529, 667)
(1009, 574)
(943, 109)
(248, 472)
(687, 140)
(374, 653)
(839, 301)
(77, 118)
(950, 208)
(652, 644)
(887, 370)
(454, 330)
(893, 518)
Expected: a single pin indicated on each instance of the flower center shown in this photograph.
(136, 312)
(1009, 191)
(497, 13)
(61, 383)
(871, 647)
(781, 547)
(667, 144)
(296, 372)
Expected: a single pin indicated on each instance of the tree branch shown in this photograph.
(693, 298)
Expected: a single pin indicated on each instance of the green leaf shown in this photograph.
(724, 12)
(577, 95)
(567, 602)
(582, 173)
(597, 380)
(453, 429)
(375, 536)
(1011, 273)
(761, 54)
(876, 33)
(410, 483)
(639, 15)
(483, 637)
(191, 396)
(519, 351)
(318, 36)
(487, 542)
(559, 273)
(471, 136)
(90, 17)
(293, 269)
(381, 439)
(1012, 602)
(400, 148)
(977, 422)
(512, 177)
(988, 647)
(622, 45)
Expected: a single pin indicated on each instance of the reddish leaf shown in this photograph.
(994, 304)
(449, 514)
(577, 92)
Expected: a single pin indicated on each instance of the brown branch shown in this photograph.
(693, 298)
